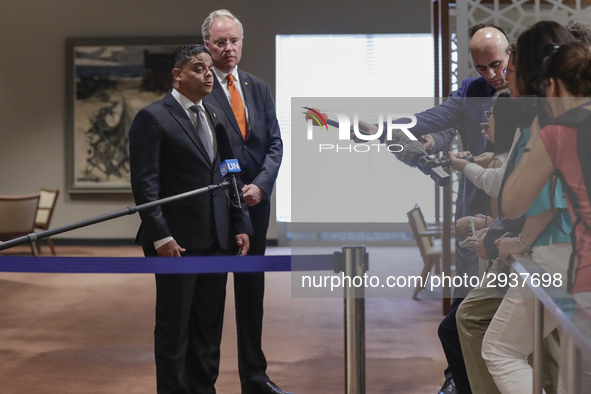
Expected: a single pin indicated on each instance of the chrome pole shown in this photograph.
(572, 366)
(355, 265)
(538, 345)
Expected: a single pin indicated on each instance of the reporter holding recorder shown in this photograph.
(563, 145)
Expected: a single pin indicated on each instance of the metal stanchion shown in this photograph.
(573, 358)
(538, 346)
(354, 264)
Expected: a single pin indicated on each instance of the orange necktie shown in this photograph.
(237, 106)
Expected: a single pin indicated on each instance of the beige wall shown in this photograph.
(32, 76)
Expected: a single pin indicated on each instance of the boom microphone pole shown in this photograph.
(413, 154)
(34, 237)
(229, 167)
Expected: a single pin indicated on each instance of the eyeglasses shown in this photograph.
(223, 43)
(488, 114)
(505, 71)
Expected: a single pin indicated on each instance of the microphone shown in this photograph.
(230, 165)
(231, 168)
(413, 154)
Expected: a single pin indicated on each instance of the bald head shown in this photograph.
(488, 48)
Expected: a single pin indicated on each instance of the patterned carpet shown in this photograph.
(92, 334)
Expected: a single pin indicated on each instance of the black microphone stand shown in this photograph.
(34, 237)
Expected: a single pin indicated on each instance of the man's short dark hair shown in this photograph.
(184, 54)
(474, 28)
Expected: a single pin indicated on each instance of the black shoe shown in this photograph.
(268, 388)
(449, 387)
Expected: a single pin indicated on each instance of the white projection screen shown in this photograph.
(355, 66)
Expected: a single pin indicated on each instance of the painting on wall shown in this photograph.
(108, 81)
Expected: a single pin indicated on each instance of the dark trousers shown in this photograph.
(450, 341)
(249, 290)
(466, 264)
(188, 332)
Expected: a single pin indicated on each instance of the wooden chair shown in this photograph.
(17, 217)
(47, 201)
(430, 251)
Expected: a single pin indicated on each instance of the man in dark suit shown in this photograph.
(256, 141)
(173, 150)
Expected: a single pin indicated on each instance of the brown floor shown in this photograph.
(92, 334)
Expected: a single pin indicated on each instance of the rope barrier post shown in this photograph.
(572, 366)
(354, 264)
(538, 346)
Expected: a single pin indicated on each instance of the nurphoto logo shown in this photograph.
(346, 132)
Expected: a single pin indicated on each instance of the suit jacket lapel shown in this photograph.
(181, 117)
(224, 104)
(248, 98)
(214, 119)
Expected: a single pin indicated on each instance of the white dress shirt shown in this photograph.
(187, 104)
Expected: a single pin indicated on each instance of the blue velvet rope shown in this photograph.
(164, 265)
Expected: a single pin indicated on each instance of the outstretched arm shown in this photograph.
(528, 179)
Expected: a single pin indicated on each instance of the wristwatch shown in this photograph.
(526, 248)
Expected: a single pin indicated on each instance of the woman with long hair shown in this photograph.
(562, 145)
(509, 338)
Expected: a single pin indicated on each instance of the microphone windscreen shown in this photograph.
(410, 148)
(224, 145)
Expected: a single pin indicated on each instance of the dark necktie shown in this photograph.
(203, 132)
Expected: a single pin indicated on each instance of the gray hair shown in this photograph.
(206, 26)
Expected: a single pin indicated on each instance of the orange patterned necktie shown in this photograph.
(237, 106)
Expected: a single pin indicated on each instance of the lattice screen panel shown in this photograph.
(513, 17)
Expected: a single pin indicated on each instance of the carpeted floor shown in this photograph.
(92, 334)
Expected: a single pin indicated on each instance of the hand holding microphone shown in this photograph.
(457, 162)
(427, 141)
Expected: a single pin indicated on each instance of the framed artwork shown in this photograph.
(108, 80)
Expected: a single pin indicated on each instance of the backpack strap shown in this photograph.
(554, 179)
(570, 194)
(581, 119)
(584, 151)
